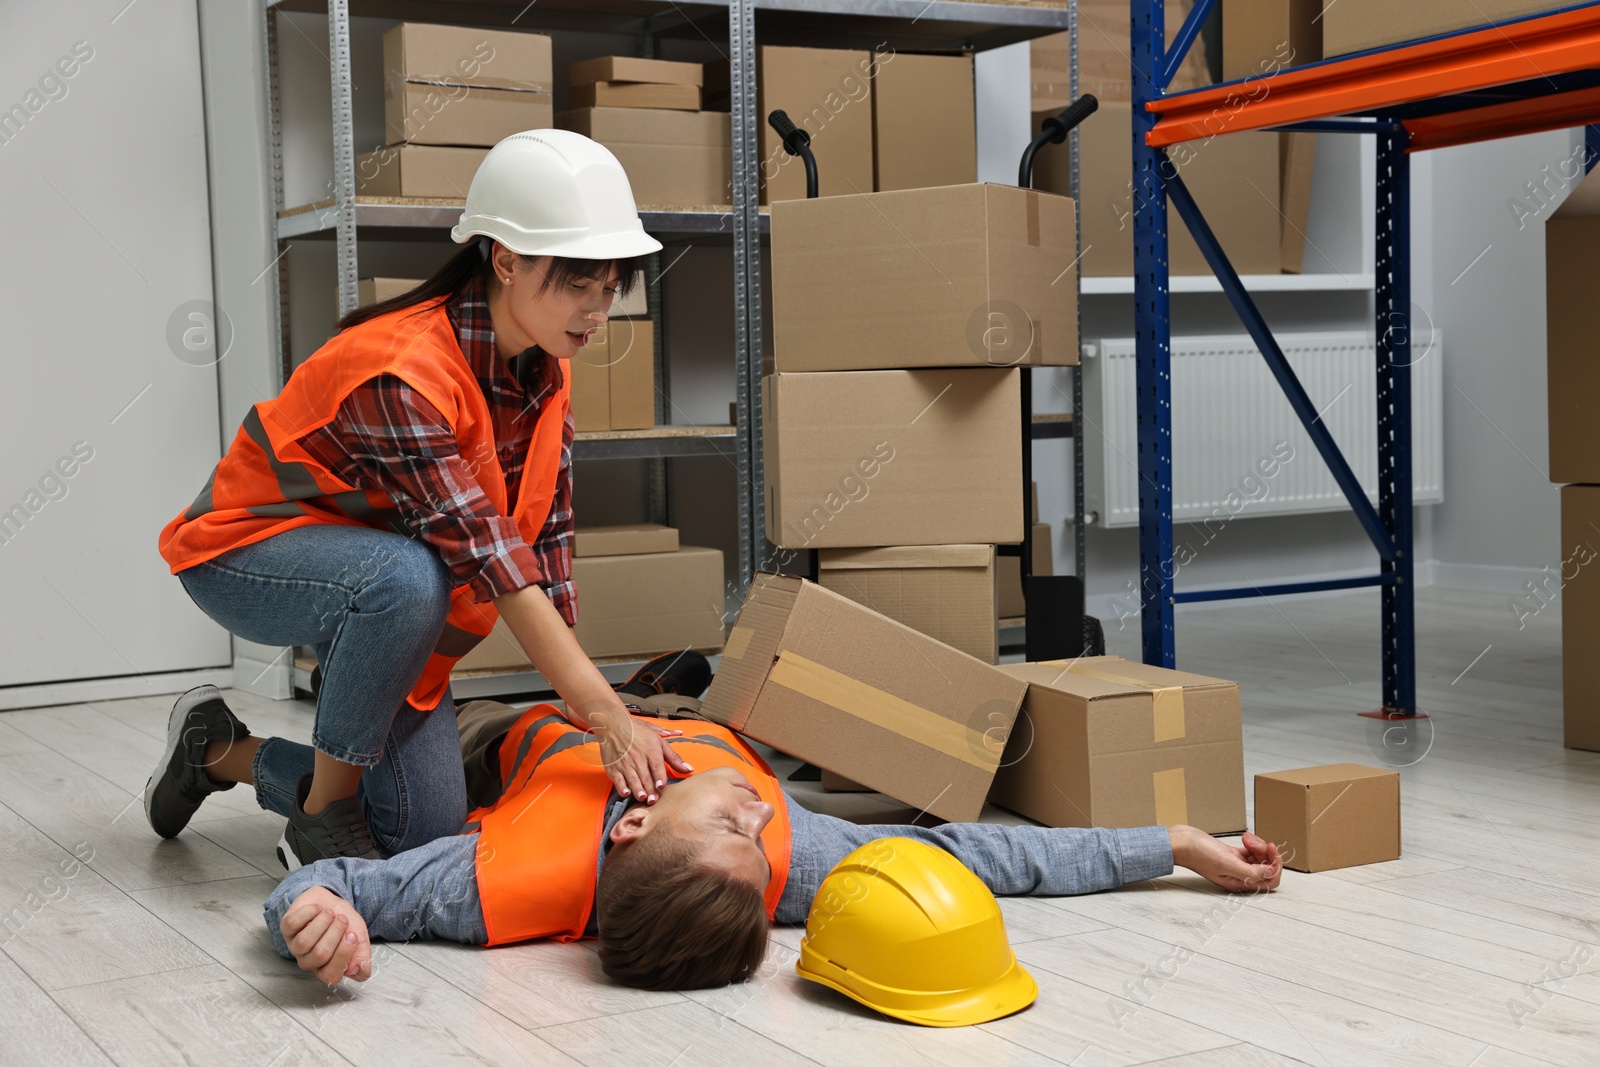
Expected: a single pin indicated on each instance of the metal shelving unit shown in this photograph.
(905, 25)
(1522, 76)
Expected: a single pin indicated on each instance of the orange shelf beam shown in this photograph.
(1558, 111)
(1461, 63)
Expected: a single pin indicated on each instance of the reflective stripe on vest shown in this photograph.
(267, 483)
(539, 844)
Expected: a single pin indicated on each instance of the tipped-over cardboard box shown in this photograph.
(1580, 614)
(1356, 25)
(839, 685)
(828, 93)
(1234, 178)
(893, 457)
(418, 170)
(944, 591)
(923, 126)
(976, 275)
(1324, 818)
(614, 378)
(1105, 742)
(1009, 601)
(673, 158)
(639, 604)
(1572, 322)
(377, 290)
(624, 540)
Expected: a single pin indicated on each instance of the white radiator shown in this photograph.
(1232, 426)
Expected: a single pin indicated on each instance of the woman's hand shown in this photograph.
(1251, 868)
(327, 936)
(636, 755)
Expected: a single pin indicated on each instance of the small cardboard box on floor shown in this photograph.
(614, 378)
(1580, 616)
(1323, 818)
(640, 604)
(860, 459)
(673, 158)
(839, 685)
(1234, 177)
(1572, 318)
(944, 591)
(1106, 742)
(957, 276)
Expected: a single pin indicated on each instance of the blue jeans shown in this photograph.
(371, 604)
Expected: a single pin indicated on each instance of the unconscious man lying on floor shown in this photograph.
(680, 893)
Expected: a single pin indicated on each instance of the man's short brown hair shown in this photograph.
(668, 920)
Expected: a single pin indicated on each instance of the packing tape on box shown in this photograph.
(870, 704)
(1172, 797)
(1167, 699)
(738, 641)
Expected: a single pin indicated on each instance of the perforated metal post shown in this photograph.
(279, 344)
(1153, 348)
(1393, 298)
(344, 153)
(746, 283)
(1080, 528)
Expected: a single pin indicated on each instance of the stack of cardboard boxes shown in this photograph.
(893, 421)
(450, 94)
(639, 593)
(648, 112)
(1573, 326)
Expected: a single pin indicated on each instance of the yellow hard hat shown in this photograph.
(907, 930)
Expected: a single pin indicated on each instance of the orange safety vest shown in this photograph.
(267, 483)
(539, 844)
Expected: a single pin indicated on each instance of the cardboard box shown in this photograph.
(418, 170)
(1356, 25)
(1324, 818)
(673, 158)
(960, 276)
(1580, 616)
(944, 591)
(376, 290)
(838, 783)
(1234, 179)
(614, 378)
(1103, 50)
(625, 540)
(636, 94)
(639, 604)
(418, 113)
(1262, 37)
(1033, 501)
(1297, 160)
(839, 685)
(1106, 742)
(1010, 602)
(1572, 317)
(467, 55)
(867, 458)
(923, 125)
(827, 92)
(634, 69)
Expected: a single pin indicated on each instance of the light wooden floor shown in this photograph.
(1480, 947)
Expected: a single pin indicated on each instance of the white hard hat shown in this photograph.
(554, 193)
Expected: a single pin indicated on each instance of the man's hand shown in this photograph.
(636, 756)
(1254, 867)
(327, 937)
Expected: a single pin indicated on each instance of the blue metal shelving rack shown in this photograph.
(1537, 73)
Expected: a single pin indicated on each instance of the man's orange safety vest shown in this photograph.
(539, 844)
(267, 483)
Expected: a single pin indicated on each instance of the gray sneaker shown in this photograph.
(179, 784)
(340, 829)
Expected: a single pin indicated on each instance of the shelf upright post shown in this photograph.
(279, 343)
(1080, 532)
(1153, 345)
(344, 152)
(1393, 304)
(746, 199)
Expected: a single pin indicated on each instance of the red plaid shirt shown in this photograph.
(389, 438)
